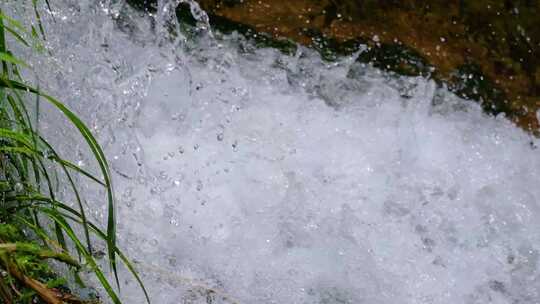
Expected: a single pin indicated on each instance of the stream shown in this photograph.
(245, 175)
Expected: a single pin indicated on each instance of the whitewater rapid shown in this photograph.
(244, 175)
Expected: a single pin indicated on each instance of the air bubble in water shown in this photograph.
(18, 187)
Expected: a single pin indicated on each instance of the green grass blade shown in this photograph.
(79, 202)
(16, 136)
(76, 217)
(13, 22)
(38, 18)
(48, 5)
(6, 57)
(19, 117)
(58, 218)
(17, 150)
(55, 157)
(98, 154)
(15, 32)
(16, 35)
(2, 34)
(76, 168)
(23, 152)
(124, 260)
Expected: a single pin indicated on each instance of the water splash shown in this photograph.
(249, 176)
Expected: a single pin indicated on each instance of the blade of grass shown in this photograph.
(58, 218)
(14, 32)
(79, 202)
(21, 155)
(98, 154)
(39, 252)
(48, 5)
(6, 57)
(13, 22)
(38, 18)
(64, 164)
(17, 137)
(55, 157)
(28, 150)
(16, 35)
(3, 43)
(76, 217)
(122, 256)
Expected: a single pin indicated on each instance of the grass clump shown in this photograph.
(36, 227)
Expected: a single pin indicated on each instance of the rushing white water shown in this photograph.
(247, 176)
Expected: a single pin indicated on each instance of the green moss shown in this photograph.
(331, 49)
(260, 39)
(396, 58)
(183, 14)
(225, 26)
(28, 257)
(469, 82)
(9, 233)
(36, 227)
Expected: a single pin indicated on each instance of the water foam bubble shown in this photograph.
(249, 176)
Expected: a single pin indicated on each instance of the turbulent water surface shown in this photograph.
(247, 176)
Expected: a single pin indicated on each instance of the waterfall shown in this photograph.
(245, 175)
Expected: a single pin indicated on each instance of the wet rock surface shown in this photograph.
(482, 50)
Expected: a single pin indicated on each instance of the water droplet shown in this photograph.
(155, 190)
(18, 187)
(178, 117)
(49, 154)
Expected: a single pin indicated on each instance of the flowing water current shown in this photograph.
(244, 175)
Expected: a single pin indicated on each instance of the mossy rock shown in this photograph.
(260, 39)
(145, 5)
(469, 82)
(183, 13)
(10, 233)
(30, 262)
(398, 59)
